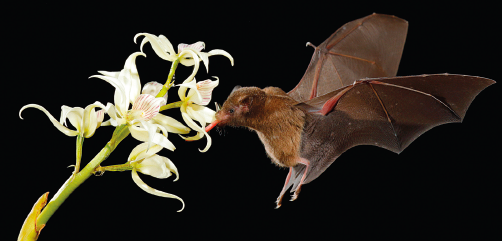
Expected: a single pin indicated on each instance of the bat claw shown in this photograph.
(293, 197)
(278, 203)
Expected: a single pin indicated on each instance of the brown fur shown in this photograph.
(272, 114)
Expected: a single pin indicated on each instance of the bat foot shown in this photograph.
(278, 202)
(293, 197)
(295, 194)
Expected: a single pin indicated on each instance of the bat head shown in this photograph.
(241, 108)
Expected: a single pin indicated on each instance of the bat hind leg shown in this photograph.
(278, 202)
(296, 191)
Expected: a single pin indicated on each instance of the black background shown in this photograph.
(443, 185)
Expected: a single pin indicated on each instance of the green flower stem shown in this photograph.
(115, 168)
(167, 85)
(80, 142)
(74, 181)
(176, 104)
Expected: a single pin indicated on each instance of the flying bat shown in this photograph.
(348, 96)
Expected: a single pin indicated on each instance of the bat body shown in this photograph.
(348, 97)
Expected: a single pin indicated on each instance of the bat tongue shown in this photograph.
(212, 125)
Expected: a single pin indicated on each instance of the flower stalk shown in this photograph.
(115, 168)
(168, 84)
(176, 104)
(80, 143)
(74, 181)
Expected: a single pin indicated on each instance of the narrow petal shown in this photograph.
(205, 59)
(201, 131)
(114, 118)
(196, 62)
(170, 165)
(56, 123)
(196, 115)
(183, 88)
(168, 47)
(159, 45)
(110, 74)
(142, 134)
(120, 94)
(141, 152)
(171, 124)
(148, 189)
(222, 52)
(132, 84)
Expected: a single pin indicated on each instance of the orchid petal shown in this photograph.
(148, 105)
(200, 133)
(205, 90)
(203, 113)
(153, 88)
(75, 115)
(131, 80)
(195, 115)
(196, 62)
(148, 189)
(171, 124)
(120, 94)
(205, 59)
(141, 152)
(170, 165)
(90, 119)
(199, 46)
(110, 109)
(110, 74)
(154, 166)
(183, 88)
(58, 125)
(168, 47)
(221, 52)
(100, 115)
(160, 45)
(142, 134)
(195, 127)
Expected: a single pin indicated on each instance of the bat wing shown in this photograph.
(369, 47)
(386, 112)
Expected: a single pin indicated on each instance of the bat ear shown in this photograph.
(235, 88)
(245, 102)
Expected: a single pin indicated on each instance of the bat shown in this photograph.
(348, 96)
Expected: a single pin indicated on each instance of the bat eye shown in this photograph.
(231, 111)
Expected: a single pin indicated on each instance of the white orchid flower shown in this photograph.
(86, 121)
(143, 118)
(146, 161)
(188, 54)
(193, 107)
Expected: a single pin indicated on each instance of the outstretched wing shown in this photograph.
(385, 112)
(369, 47)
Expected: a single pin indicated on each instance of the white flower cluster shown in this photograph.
(139, 109)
